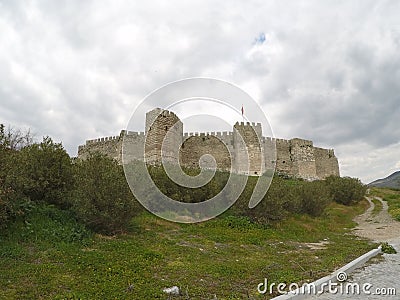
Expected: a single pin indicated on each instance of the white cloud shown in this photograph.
(326, 71)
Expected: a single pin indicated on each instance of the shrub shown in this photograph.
(273, 206)
(13, 203)
(315, 197)
(4, 207)
(102, 198)
(346, 190)
(284, 197)
(241, 223)
(387, 248)
(186, 194)
(44, 173)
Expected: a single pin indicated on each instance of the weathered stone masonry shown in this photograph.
(244, 150)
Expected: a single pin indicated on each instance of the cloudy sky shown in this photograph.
(328, 71)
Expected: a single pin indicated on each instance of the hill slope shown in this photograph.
(392, 181)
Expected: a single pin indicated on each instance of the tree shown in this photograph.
(13, 202)
(102, 198)
(14, 139)
(315, 197)
(45, 172)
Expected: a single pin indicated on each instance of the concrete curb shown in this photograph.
(301, 293)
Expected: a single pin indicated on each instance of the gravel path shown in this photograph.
(379, 228)
(383, 275)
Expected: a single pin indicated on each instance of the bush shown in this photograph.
(387, 248)
(4, 207)
(185, 194)
(44, 173)
(13, 203)
(102, 198)
(283, 198)
(346, 190)
(315, 197)
(273, 206)
(40, 172)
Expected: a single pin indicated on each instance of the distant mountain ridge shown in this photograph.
(392, 181)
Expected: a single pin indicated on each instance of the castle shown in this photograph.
(243, 150)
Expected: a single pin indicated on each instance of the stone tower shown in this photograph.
(248, 149)
(164, 132)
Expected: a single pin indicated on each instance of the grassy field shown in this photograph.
(393, 199)
(50, 256)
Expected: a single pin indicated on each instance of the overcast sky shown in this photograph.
(328, 71)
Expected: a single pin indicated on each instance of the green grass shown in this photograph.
(50, 256)
(377, 207)
(393, 199)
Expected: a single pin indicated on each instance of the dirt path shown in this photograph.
(380, 227)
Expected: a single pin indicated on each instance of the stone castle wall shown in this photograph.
(244, 150)
(194, 151)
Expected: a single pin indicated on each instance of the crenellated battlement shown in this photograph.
(217, 134)
(292, 157)
(131, 133)
(103, 139)
(281, 141)
(114, 138)
(252, 124)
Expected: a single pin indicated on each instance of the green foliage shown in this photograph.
(315, 197)
(388, 249)
(13, 202)
(395, 213)
(184, 194)
(241, 223)
(102, 199)
(393, 199)
(48, 224)
(12, 205)
(5, 208)
(272, 206)
(346, 190)
(44, 173)
(284, 196)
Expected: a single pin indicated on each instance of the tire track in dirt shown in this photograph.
(380, 227)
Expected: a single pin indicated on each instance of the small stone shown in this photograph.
(130, 288)
(174, 290)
